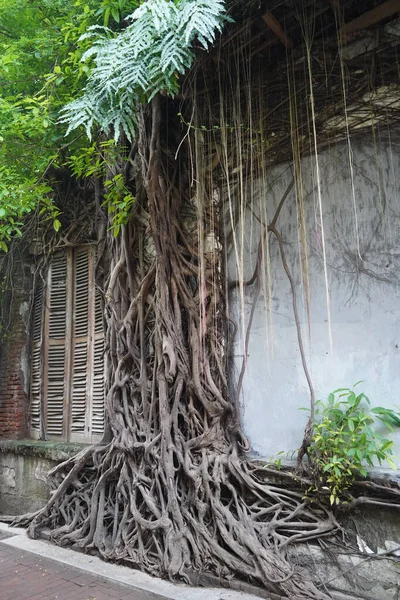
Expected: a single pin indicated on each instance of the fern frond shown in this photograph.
(162, 13)
(139, 37)
(174, 57)
(201, 19)
(144, 59)
(81, 112)
(135, 75)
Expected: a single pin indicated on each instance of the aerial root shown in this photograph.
(218, 516)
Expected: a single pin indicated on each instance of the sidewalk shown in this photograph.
(38, 570)
(26, 576)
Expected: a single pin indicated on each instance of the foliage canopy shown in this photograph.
(92, 61)
(145, 58)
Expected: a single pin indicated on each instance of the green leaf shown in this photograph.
(352, 398)
(115, 14)
(387, 415)
(387, 444)
(107, 17)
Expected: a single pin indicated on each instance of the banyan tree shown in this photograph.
(186, 104)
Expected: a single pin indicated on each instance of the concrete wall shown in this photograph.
(350, 575)
(23, 486)
(23, 470)
(361, 219)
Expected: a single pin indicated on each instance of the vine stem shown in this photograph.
(255, 278)
(309, 429)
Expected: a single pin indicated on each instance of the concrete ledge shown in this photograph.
(49, 450)
(380, 475)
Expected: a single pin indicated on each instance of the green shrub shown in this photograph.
(345, 441)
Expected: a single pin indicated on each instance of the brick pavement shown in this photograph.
(26, 576)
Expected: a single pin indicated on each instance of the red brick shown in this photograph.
(13, 401)
(42, 580)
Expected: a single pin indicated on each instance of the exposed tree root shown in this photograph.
(214, 514)
(170, 488)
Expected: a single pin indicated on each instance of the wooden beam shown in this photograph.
(377, 14)
(277, 29)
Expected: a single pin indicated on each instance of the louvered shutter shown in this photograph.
(80, 361)
(68, 351)
(87, 399)
(56, 366)
(98, 388)
(36, 361)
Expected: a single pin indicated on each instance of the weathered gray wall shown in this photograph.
(22, 483)
(350, 575)
(23, 469)
(364, 288)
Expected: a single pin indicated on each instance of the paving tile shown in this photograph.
(84, 580)
(26, 576)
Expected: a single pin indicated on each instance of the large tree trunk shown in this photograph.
(170, 489)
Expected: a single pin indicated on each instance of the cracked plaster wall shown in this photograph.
(361, 218)
(23, 485)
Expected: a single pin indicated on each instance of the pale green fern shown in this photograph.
(144, 59)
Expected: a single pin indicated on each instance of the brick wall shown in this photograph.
(14, 353)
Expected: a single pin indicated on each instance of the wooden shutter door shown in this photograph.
(36, 363)
(98, 388)
(87, 391)
(80, 348)
(56, 334)
(68, 351)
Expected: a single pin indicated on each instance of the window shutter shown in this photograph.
(36, 363)
(79, 396)
(79, 379)
(68, 351)
(58, 297)
(97, 420)
(55, 391)
(87, 399)
(55, 377)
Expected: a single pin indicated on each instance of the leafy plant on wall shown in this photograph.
(346, 441)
